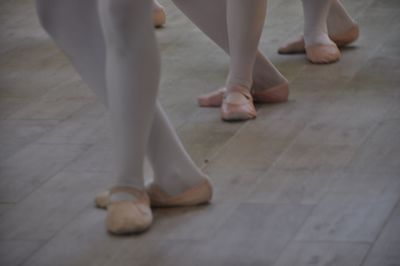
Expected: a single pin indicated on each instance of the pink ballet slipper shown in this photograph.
(240, 108)
(128, 216)
(276, 94)
(341, 39)
(199, 194)
(323, 53)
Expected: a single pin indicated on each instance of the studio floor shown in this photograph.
(314, 181)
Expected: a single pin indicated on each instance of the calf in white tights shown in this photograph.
(112, 45)
(327, 26)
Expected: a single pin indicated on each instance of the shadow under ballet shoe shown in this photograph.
(348, 48)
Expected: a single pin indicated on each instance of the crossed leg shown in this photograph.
(117, 55)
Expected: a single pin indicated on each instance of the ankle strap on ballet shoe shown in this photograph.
(245, 92)
(140, 196)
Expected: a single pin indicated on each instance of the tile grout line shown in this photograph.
(364, 260)
(47, 241)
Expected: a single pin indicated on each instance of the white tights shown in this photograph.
(315, 21)
(322, 17)
(227, 23)
(112, 45)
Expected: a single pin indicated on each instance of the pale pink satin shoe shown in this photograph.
(341, 39)
(347, 37)
(323, 53)
(211, 99)
(128, 216)
(199, 194)
(238, 105)
(276, 94)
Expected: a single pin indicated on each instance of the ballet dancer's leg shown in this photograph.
(132, 68)
(342, 30)
(173, 168)
(75, 27)
(211, 17)
(132, 75)
(245, 20)
(319, 47)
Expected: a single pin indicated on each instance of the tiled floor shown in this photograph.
(315, 181)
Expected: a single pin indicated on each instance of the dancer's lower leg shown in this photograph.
(245, 21)
(315, 22)
(174, 170)
(132, 74)
(211, 17)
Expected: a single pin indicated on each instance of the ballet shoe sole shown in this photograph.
(237, 117)
(323, 62)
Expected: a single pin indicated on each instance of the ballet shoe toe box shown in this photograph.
(128, 217)
(238, 105)
(323, 54)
